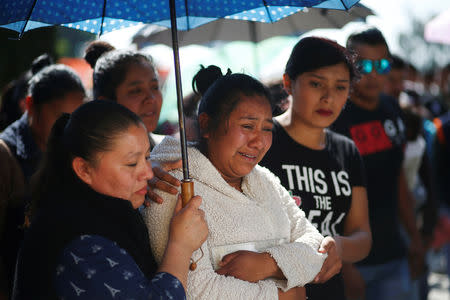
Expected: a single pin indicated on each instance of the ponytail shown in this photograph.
(55, 168)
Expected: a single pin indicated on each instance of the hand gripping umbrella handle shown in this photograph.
(187, 191)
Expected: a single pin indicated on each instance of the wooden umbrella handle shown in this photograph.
(187, 191)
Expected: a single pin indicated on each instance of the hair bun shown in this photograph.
(41, 62)
(205, 77)
(95, 50)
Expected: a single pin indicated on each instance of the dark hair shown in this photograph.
(53, 83)
(312, 53)
(224, 94)
(190, 104)
(111, 69)
(397, 62)
(368, 36)
(88, 131)
(205, 77)
(41, 62)
(96, 49)
(279, 97)
(13, 92)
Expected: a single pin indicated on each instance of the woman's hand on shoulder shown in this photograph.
(162, 180)
(333, 262)
(188, 228)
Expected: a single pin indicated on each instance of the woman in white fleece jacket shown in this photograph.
(260, 245)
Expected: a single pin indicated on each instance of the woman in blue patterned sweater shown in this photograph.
(87, 239)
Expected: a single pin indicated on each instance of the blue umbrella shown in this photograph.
(100, 16)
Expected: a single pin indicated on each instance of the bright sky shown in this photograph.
(393, 16)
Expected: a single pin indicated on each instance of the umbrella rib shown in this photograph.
(345, 5)
(103, 18)
(267, 10)
(28, 18)
(188, 26)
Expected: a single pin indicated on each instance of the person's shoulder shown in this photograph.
(167, 150)
(4, 149)
(340, 142)
(8, 161)
(346, 116)
(390, 103)
(8, 136)
(264, 185)
(156, 139)
(338, 138)
(263, 177)
(10, 133)
(279, 136)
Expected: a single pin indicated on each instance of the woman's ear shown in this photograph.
(83, 169)
(203, 123)
(287, 82)
(29, 105)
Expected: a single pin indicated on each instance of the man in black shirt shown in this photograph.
(373, 121)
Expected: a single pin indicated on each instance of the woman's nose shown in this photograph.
(147, 172)
(149, 95)
(326, 94)
(257, 140)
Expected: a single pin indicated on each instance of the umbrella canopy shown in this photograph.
(438, 29)
(99, 16)
(230, 29)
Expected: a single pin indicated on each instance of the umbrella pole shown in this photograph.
(187, 185)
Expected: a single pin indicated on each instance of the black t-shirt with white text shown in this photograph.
(380, 137)
(321, 183)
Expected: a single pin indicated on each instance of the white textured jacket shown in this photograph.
(262, 218)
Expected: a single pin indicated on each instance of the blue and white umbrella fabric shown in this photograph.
(100, 16)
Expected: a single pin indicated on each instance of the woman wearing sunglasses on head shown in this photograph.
(322, 170)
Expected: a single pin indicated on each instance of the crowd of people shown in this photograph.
(330, 184)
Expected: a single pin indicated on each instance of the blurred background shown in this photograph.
(403, 23)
